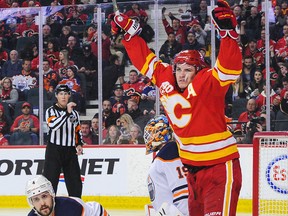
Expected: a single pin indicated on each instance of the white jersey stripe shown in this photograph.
(207, 147)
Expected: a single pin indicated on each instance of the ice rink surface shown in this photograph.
(24, 212)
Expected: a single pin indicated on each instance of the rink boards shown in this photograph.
(115, 176)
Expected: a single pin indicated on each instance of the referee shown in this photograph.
(65, 143)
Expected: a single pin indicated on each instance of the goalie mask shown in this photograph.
(37, 186)
(156, 133)
(190, 57)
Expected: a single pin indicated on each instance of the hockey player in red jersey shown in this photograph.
(193, 97)
(166, 180)
(41, 197)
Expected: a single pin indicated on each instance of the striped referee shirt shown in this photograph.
(64, 127)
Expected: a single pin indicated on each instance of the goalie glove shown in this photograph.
(168, 210)
(130, 26)
(224, 20)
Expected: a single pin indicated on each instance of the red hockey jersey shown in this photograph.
(197, 114)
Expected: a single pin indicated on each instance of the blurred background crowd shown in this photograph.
(70, 40)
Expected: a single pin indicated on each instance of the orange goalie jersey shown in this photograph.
(202, 138)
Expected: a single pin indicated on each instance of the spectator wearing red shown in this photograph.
(251, 111)
(134, 86)
(138, 14)
(85, 128)
(176, 27)
(27, 28)
(281, 42)
(61, 66)
(30, 3)
(106, 43)
(25, 128)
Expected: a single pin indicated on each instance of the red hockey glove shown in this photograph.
(130, 26)
(224, 20)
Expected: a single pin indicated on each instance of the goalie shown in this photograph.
(167, 184)
(193, 98)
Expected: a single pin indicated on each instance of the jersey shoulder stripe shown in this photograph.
(168, 152)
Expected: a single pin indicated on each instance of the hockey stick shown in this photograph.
(115, 6)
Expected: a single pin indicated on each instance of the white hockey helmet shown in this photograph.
(37, 186)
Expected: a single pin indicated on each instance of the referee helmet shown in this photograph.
(62, 87)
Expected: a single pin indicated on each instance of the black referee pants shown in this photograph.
(58, 158)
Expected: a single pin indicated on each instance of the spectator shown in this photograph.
(251, 51)
(25, 81)
(47, 36)
(238, 14)
(191, 43)
(134, 86)
(87, 65)
(3, 54)
(3, 140)
(246, 8)
(115, 71)
(95, 129)
(253, 24)
(73, 82)
(27, 28)
(248, 70)
(251, 112)
(282, 53)
(117, 48)
(256, 85)
(126, 123)
(113, 134)
(136, 114)
(74, 50)
(282, 116)
(87, 137)
(88, 35)
(13, 66)
(281, 42)
(136, 135)
(277, 28)
(285, 87)
(106, 43)
(238, 89)
(140, 15)
(178, 30)
(170, 48)
(66, 33)
(118, 100)
(25, 128)
(148, 97)
(200, 34)
(50, 78)
(256, 124)
(8, 94)
(52, 50)
(274, 100)
(61, 66)
(4, 124)
(109, 118)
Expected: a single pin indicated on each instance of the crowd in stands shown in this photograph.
(70, 56)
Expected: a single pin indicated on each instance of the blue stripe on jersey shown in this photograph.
(180, 188)
(180, 198)
(169, 151)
